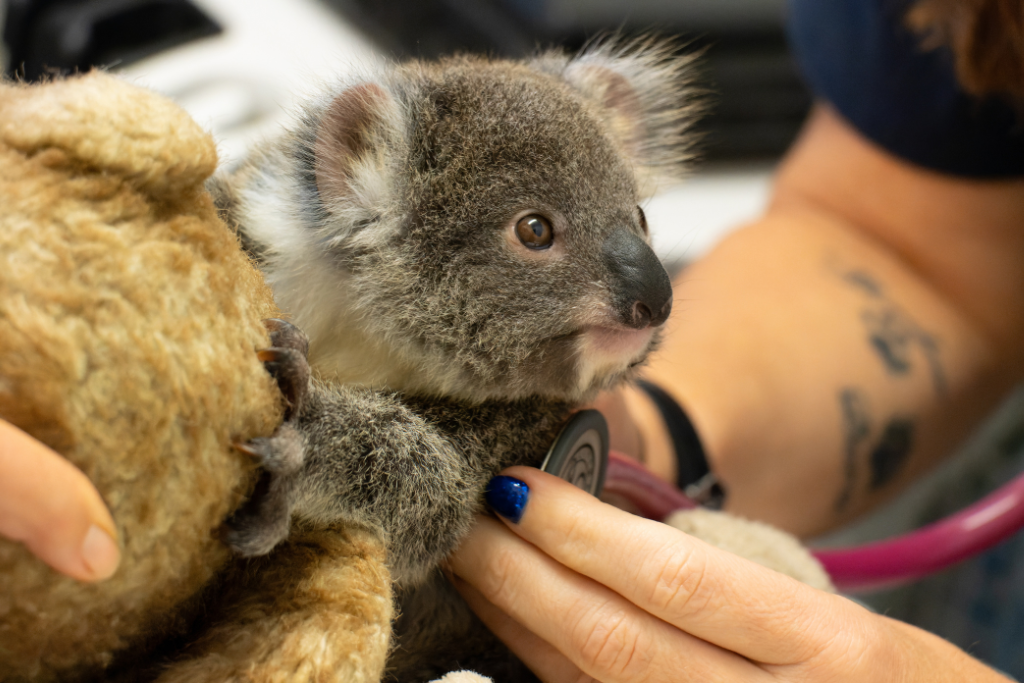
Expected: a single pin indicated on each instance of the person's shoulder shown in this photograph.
(860, 56)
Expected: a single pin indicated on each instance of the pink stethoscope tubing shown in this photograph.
(886, 563)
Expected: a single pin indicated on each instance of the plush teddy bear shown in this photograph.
(129, 327)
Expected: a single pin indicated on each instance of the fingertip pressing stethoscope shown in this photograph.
(581, 456)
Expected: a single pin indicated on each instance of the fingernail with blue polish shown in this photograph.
(507, 496)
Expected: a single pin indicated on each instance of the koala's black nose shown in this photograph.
(641, 289)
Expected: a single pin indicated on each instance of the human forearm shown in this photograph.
(819, 373)
(828, 356)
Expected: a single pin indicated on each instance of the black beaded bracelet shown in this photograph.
(694, 476)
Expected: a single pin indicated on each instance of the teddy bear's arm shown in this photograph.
(318, 608)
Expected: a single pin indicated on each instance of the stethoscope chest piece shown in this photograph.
(580, 453)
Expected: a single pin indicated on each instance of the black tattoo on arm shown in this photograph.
(887, 457)
(894, 336)
(892, 332)
(864, 282)
(856, 428)
(899, 343)
(892, 451)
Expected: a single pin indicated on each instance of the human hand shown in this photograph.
(51, 507)
(582, 591)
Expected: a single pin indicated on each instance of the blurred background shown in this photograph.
(239, 65)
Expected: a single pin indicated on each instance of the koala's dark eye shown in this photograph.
(643, 220)
(535, 231)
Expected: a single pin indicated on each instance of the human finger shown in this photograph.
(601, 633)
(51, 506)
(716, 596)
(542, 658)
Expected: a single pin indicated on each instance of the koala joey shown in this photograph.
(463, 244)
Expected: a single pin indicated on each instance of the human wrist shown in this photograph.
(658, 456)
(922, 657)
(693, 473)
(865, 646)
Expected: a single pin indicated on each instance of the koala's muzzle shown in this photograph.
(641, 289)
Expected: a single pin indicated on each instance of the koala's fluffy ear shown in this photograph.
(354, 133)
(644, 89)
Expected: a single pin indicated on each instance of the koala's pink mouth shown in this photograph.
(621, 343)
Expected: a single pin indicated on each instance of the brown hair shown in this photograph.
(987, 39)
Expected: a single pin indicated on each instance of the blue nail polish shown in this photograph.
(507, 496)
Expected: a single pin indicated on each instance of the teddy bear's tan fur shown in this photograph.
(755, 541)
(129, 324)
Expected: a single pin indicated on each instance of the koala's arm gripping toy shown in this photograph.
(129, 327)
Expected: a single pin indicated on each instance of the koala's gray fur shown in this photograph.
(444, 349)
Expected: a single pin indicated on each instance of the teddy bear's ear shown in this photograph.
(107, 124)
(350, 141)
(644, 90)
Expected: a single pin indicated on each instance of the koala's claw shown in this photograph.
(265, 519)
(247, 449)
(286, 335)
(285, 360)
(281, 453)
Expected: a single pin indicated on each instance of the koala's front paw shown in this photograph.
(265, 519)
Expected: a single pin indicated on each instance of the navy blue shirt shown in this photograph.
(859, 56)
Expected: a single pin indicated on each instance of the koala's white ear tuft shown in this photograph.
(350, 133)
(615, 95)
(644, 89)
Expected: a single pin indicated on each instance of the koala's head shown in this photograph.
(481, 222)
